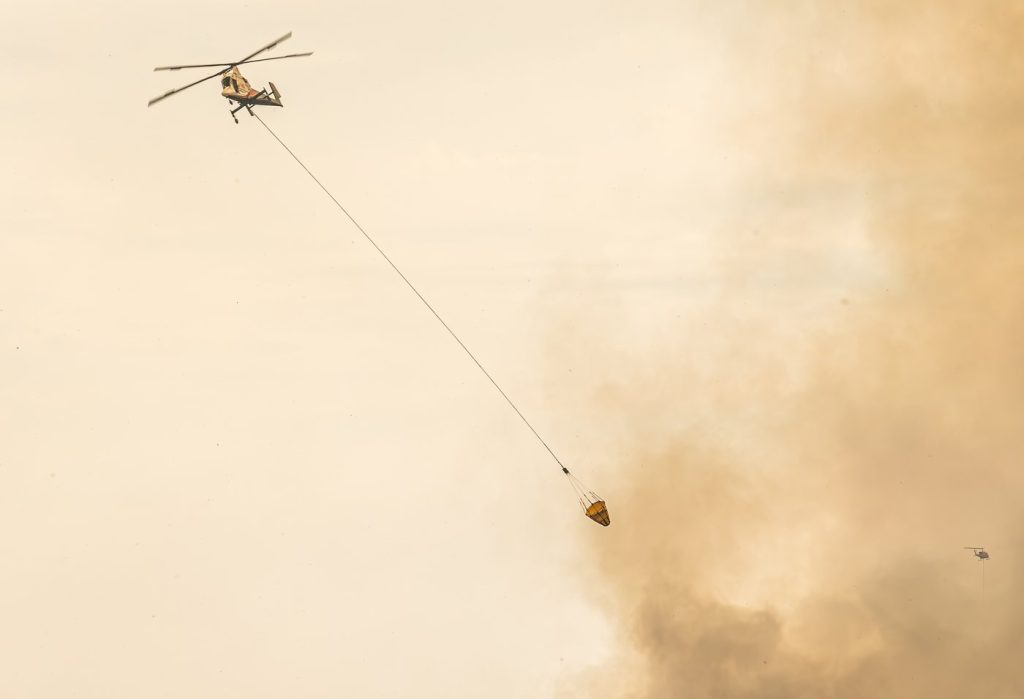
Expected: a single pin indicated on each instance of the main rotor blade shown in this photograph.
(197, 65)
(276, 58)
(171, 92)
(265, 48)
(228, 65)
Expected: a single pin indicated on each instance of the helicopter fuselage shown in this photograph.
(237, 89)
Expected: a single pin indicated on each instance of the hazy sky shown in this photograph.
(752, 269)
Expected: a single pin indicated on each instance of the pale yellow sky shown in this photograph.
(239, 459)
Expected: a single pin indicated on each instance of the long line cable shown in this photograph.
(415, 291)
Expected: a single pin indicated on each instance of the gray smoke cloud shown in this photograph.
(790, 519)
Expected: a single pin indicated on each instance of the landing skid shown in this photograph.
(246, 107)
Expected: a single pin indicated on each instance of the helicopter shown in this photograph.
(979, 551)
(235, 88)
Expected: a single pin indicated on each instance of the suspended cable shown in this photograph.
(418, 294)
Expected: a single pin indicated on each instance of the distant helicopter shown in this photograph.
(979, 551)
(236, 89)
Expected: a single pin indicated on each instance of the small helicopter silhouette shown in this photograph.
(979, 551)
(236, 89)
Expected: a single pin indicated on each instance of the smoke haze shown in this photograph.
(751, 268)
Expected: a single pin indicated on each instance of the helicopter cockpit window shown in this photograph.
(225, 81)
